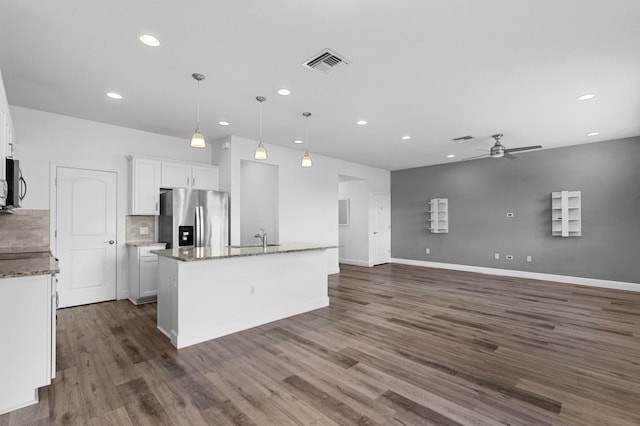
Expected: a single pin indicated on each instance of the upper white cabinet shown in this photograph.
(176, 175)
(145, 186)
(181, 175)
(149, 175)
(566, 215)
(439, 215)
(6, 131)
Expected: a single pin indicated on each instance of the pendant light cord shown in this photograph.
(198, 106)
(260, 123)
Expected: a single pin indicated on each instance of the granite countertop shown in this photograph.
(144, 243)
(23, 263)
(190, 253)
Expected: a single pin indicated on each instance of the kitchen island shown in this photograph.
(205, 292)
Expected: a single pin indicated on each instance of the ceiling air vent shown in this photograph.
(463, 139)
(325, 61)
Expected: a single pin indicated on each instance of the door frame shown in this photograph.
(371, 225)
(53, 209)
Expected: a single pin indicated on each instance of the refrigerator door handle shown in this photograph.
(199, 231)
(197, 226)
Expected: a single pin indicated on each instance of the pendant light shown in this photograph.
(197, 139)
(306, 160)
(261, 153)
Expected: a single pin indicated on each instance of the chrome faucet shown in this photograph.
(262, 237)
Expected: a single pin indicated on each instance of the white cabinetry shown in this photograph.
(145, 188)
(6, 131)
(439, 215)
(181, 175)
(27, 358)
(566, 215)
(143, 273)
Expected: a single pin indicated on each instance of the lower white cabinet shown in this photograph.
(143, 273)
(27, 357)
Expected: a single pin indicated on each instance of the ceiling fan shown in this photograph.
(498, 150)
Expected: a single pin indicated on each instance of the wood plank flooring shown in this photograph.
(399, 345)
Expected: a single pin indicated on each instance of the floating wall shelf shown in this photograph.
(566, 214)
(439, 215)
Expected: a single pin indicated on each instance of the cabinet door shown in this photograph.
(204, 177)
(148, 276)
(146, 187)
(4, 135)
(175, 175)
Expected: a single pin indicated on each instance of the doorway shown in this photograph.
(85, 235)
(353, 221)
(381, 228)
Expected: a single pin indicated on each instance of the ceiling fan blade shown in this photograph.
(509, 156)
(475, 157)
(523, 148)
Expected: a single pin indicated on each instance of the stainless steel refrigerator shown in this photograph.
(194, 218)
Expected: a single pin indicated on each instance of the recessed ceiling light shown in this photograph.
(593, 134)
(114, 95)
(451, 155)
(405, 138)
(361, 122)
(223, 123)
(298, 141)
(149, 40)
(284, 92)
(586, 97)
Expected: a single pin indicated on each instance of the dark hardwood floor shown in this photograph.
(399, 345)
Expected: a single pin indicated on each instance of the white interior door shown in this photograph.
(381, 229)
(86, 235)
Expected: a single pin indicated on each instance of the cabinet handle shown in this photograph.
(156, 206)
(187, 181)
(57, 300)
(193, 181)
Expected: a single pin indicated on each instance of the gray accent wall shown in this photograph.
(482, 192)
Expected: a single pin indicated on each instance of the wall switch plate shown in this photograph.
(144, 230)
(427, 251)
(510, 214)
(496, 256)
(509, 257)
(529, 259)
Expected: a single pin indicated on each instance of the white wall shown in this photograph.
(44, 138)
(308, 197)
(354, 238)
(259, 198)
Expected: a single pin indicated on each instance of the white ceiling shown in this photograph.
(434, 70)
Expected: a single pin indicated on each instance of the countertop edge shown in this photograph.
(167, 253)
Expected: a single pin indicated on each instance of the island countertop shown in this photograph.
(190, 253)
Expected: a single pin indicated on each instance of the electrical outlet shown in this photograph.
(510, 214)
(144, 230)
(529, 259)
(496, 256)
(509, 257)
(428, 251)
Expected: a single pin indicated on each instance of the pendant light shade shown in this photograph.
(197, 139)
(306, 159)
(261, 153)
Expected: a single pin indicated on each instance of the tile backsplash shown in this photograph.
(24, 228)
(134, 223)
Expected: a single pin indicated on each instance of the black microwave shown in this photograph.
(16, 185)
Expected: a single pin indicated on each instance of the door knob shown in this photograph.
(111, 242)
(375, 233)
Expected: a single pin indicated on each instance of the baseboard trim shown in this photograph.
(355, 262)
(332, 271)
(591, 282)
